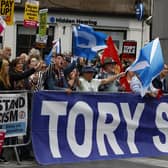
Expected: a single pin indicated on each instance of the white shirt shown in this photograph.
(91, 86)
(135, 85)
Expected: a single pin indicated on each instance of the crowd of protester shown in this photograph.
(28, 71)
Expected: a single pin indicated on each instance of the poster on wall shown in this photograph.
(31, 14)
(7, 11)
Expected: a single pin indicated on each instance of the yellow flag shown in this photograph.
(7, 10)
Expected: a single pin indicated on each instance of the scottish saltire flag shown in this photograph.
(86, 41)
(56, 47)
(149, 64)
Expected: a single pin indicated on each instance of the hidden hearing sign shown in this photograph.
(94, 126)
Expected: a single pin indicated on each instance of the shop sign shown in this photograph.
(53, 19)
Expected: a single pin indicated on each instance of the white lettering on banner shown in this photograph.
(129, 49)
(48, 108)
(132, 123)
(162, 125)
(55, 109)
(107, 129)
(80, 150)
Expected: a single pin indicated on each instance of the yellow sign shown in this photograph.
(7, 10)
(31, 13)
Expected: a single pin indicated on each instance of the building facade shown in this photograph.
(160, 26)
(114, 17)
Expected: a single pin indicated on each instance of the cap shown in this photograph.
(108, 61)
(88, 68)
(67, 58)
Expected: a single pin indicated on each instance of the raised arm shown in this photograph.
(112, 78)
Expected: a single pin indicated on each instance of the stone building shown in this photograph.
(114, 17)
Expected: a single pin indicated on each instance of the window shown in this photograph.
(118, 37)
(26, 38)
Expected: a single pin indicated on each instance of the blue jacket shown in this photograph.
(52, 82)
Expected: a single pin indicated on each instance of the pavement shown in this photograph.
(161, 162)
(152, 162)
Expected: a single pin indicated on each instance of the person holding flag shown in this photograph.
(56, 48)
(146, 68)
(87, 82)
(111, 66)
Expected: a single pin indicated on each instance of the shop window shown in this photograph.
(26, 38)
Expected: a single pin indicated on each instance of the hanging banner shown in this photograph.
(7, 11)
(93, 126)
(13, 114)
(31, 14)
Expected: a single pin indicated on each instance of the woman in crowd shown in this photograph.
(4, 85)
(4, 75)
(19, 76)
(36, 80)
(72, 79)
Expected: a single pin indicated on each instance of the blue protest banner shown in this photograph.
(90, 126)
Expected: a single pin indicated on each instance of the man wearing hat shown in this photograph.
(87, 82)
(109, 69)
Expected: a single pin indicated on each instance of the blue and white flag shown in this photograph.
(86, 41)
(56, 48)
(149, 64)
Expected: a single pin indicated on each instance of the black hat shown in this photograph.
(1, 62)
(67, 58)
(88, 68)
(108, 61)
